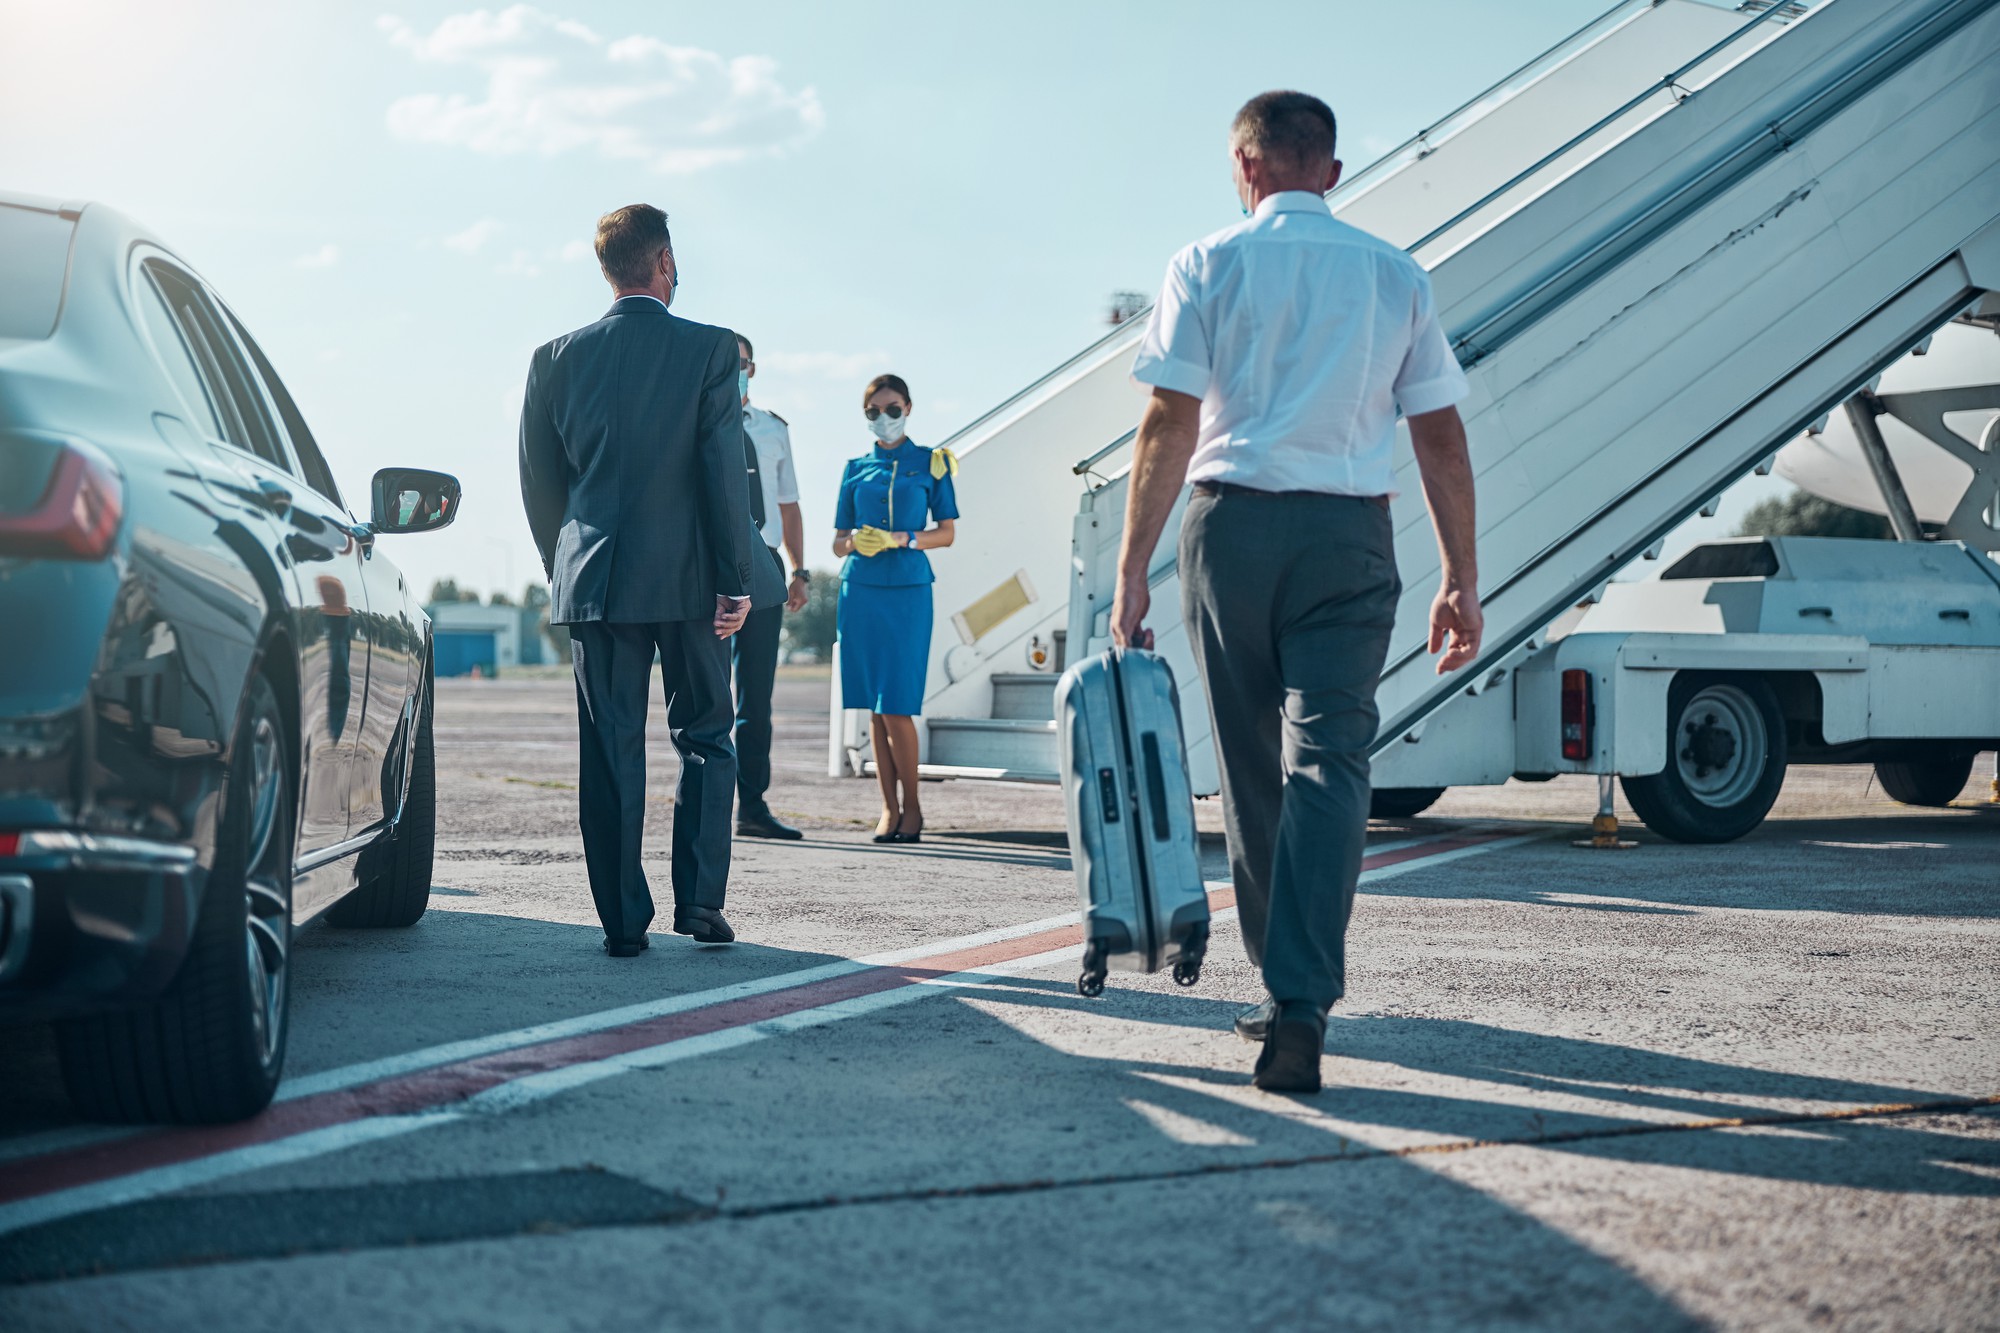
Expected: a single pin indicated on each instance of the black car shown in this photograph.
(215, 690)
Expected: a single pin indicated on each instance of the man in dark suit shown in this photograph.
(632, 474)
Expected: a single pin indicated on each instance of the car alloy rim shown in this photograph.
(1721, 746)
(266, 910)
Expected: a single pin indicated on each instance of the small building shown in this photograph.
(467, 635)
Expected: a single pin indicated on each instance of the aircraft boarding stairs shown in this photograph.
(1652, 282)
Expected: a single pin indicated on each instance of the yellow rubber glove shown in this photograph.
(943, 459)
(872, 541)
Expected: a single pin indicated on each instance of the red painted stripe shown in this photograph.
(429, 1089)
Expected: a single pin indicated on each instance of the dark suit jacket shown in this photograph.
(632, 468)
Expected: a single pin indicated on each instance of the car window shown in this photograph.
(176, 359)
(311, 461)
(34, 257)
(239, 404)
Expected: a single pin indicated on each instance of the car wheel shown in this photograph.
(395, 873)
(1401, 802)
(1933, 782)
(1725, 760)
(211, 1048)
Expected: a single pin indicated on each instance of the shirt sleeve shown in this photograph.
(1430, 378)
(1175, 353)
(843, 508)
(784, 477)
(944, 497)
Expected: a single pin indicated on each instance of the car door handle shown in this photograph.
(274, 496)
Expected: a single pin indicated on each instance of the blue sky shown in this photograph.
(398, 201)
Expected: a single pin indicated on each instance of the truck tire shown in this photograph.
(1932, 782)
(210, 1049)
(1725, 760)
(1401, 802)
(395, 873)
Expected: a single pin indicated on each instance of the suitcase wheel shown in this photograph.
(1091, 984)
(1187, 971)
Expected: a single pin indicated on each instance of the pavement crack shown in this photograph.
(1348, 1152)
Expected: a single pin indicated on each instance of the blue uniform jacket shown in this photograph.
(868, 499)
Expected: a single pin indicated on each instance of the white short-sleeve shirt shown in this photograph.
(773, 441)
(1304, 338)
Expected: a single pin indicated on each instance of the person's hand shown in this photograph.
(795, 596)
(1455, 615)
(1128, 614)
(730, 613)
(871, 541)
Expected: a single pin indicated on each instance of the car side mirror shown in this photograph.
(413, 499)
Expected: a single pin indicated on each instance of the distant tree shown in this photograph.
(447, 590)
(535, 597)
(1125, 305)
(499, 599)
(812, 629)
(1803, 514)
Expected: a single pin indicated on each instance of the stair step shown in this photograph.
(1025, 697)
(1010, 744)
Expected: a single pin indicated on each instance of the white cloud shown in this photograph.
(519, 265)
(859, 366)
(469, 241)
(325, 257)
(577, 251)
(554, 86)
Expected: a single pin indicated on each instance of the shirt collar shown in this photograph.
(624, 301)
(1293, 201)
(883, 452)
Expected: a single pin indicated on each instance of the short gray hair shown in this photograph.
(1291, 129)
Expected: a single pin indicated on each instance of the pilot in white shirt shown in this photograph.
(774, 504)
(1279, 356)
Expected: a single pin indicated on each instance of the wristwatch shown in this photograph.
(802, 574)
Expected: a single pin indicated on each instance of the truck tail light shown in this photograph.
(58, 500)
(1578, 718)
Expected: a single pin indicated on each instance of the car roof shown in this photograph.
(40, 203)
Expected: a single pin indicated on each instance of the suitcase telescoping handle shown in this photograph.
(1156, 786)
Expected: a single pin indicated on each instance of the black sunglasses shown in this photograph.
(894, 410)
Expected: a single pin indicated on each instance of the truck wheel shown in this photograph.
(395, 873)
(1725, 760)
(211, 1048)
(1934, 782)
(1401, 802)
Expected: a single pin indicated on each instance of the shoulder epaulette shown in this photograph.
(781, 421)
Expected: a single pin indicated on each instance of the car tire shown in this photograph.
(1401, 802)
(395, 873)
(1931, 782)
(211, 1048)
(1725, 760)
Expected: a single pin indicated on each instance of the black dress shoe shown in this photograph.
(705, 924)
(1289, 1061)
(1254, 1023)
(914, 835)
(626, 948)
(759, 822)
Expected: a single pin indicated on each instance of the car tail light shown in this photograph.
(10, 844)
(1578, 718)
(60, 500)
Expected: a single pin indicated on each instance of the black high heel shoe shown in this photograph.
(890, 835)
(897, 835)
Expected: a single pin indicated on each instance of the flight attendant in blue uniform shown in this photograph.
(889, 500)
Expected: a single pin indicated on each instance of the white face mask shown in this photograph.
(887, 429)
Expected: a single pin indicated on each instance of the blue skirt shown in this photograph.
(885, 646)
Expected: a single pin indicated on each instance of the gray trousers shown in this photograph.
(614, 677)
(1290, 600)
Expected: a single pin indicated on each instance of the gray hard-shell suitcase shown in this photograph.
(1131, 818)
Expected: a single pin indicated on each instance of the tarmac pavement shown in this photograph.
(1755, 1085)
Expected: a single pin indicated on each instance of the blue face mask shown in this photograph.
(742, 384)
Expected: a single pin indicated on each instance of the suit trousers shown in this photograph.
(1290, 600)
(756, 651)
(614, 675)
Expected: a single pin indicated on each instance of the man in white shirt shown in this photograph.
(774, 506)
(1280, 354)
